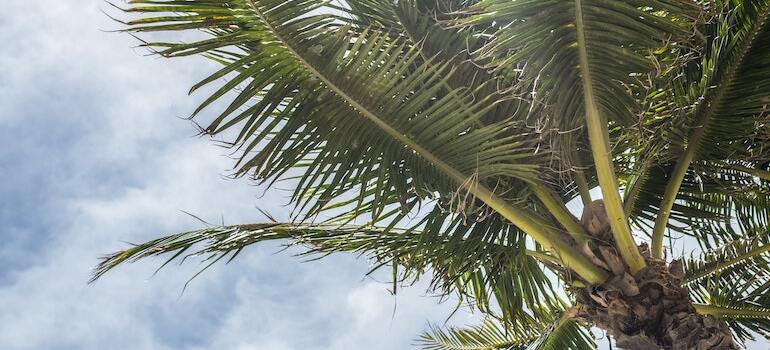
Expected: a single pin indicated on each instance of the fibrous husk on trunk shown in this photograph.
(649, 309)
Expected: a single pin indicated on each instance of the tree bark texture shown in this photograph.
(649, 310)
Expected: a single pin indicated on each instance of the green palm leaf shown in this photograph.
(323, 84)
(424, 24)
(731, 99)
(715, 204)
(457, 130)
(747, 258)
(744, 307)
(732, 283)
(474, 266)
(409, 248)
(566, 46)
(561, 333)
(490, 335)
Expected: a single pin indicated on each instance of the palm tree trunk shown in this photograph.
(650, 309)
(646, 310)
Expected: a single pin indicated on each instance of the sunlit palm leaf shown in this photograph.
(297, 118)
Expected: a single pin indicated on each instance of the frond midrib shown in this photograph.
(598, 136)
(732, 312)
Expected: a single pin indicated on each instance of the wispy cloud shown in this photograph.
(95, 156)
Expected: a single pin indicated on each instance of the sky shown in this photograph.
(95, 154)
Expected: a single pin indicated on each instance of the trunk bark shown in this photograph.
(648, 310)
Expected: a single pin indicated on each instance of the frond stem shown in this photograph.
(557, 208)
(583, 189)
(598, 136)
(543, 257)
(636, 185)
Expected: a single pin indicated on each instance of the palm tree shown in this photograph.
(482, 119)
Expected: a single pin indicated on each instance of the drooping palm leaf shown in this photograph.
(744, 307)
(715, 204)
(469, 266)
(348, 103)
(746, 259)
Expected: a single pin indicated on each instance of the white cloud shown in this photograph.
(104, 141)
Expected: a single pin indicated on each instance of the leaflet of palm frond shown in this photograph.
(511, 290)
(489, 335)
(684, 103)
(554, 333)
(710, 195)
(510, 279)
(543, 34)
(733, 102)
(455, 46)
(722, 124)
(748, 212)
(509, 268)
(425, 24)
(746, 259)
(297, 118)
(743, 304)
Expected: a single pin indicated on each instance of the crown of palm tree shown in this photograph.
(483, 118)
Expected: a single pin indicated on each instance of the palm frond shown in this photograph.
(731, 103)
(564, 333)
(745, 308)
(561, 333)
(732, 283)
(491, 335)
(473, 266)
(564, 45)
(746, 259)
(715, 204)
(381, 244)
(347, 104)
(424, 23)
